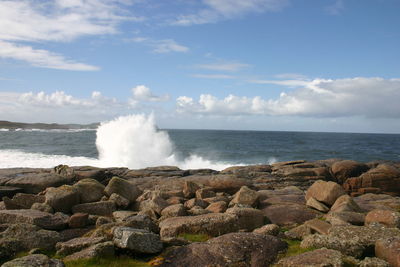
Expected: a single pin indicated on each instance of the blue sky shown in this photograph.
(310, 65)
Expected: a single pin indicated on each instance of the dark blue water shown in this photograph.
(227, 146)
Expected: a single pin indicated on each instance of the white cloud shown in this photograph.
(24, 21)
(216, 10)
(41, 58)
(223, 66)
(365, 97)
(143, 93)
(213, 76)
(162, 46)
(290, 83)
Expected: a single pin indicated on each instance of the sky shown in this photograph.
(290, 65)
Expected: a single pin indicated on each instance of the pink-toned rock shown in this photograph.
(205, 193)
(78, 220)
(189, 189)
(388, 250)
(342, 170)
(326, 192)
(217, 207)
(386, 217)
(245, 196)
(345, 203)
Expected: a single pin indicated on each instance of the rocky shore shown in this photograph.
(323, 213)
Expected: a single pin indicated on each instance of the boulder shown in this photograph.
(345, 218)
(217, 207)
(155, 204)
(24, 237)
(386, 177)
(248, 218)
(326, 192)
(195, 202)
(248, 170)
(35, 260)
(316, 258)
(289, 214)
(205, 193)
(315, 204)
(78, 220)
(34, 183)
(386, 217)
(76, 244)
(318, 226)
(100, 250)
(234, 249)
(388, 250)
(119, 201)
(42, 207)
(122, 188)
(62, 198)
(137, 240)
(174, 211)
(345, 203)
(350, 240)
(102, 208)
(245, 196)
(141, 222)
(196, 210)
(212, 224)
(89, 190)
(25, 201)
(121, 215)
(373, 262)
(342, 170)
(189, 189)
(42, 219)
(268, 229)
(370, 202)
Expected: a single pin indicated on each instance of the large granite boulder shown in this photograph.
(212, 224)
(234, 249)
(89, 190)
(42, 219)
(137, 240)
(345, 203)
(35, 260)
(326, 192)
(122, 188)
(371, 201)
(342, 170)
(248, 218)
(62, 198)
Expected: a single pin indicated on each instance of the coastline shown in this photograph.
(307, 210)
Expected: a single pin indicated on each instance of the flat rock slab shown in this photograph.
(42, 219)
(77, 244)
(34, 183)
(234, 249)
(316, 258)
(289, 214)
(102, 208)
(213, 224)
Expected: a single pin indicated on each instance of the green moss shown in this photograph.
(107, 262)
(295, 249)
(195, 237)
(283, 229)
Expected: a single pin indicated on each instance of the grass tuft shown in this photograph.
(107, 262)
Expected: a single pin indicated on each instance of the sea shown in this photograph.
(136, 142)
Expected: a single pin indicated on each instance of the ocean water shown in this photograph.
(136, 142)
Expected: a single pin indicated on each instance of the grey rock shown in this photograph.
(103, 208)
(36, 260)
(137, 240)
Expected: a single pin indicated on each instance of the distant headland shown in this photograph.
(45, 126)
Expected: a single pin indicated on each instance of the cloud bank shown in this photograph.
(366, 97)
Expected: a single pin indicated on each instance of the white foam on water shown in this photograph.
(135, 142)
(131, 141)
(16, 158)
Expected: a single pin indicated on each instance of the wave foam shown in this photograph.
(131, 141)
